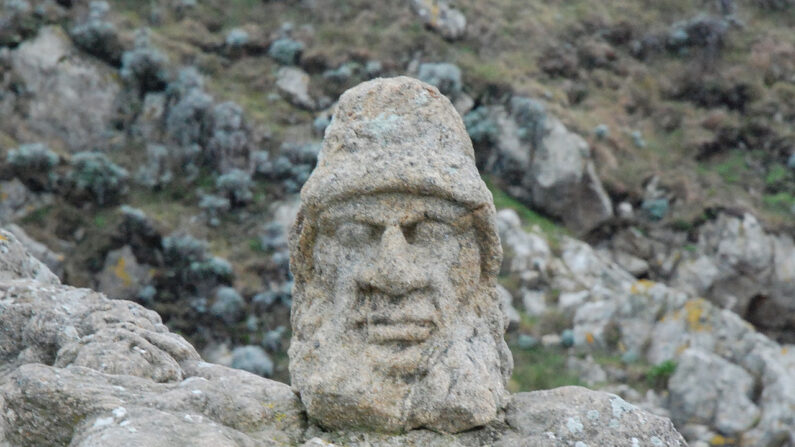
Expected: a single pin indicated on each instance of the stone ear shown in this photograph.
(301, 241)
(485, 223)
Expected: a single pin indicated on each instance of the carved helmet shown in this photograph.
(395, 135)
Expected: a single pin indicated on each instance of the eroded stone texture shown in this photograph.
(79, 369)
(395, 252)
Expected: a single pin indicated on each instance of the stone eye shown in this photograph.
(354, 234)
(427, 231)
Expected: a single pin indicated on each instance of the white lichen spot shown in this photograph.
(196, 392)
(656, 441)
(635, 442)
(620, 406)
(101, 422)
(120, 413)
(580, 444)
(614, 424)
(574, 425)
(124, 423)
(550, 435)
(593, 415)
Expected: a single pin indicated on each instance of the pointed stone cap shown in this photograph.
(395, 135)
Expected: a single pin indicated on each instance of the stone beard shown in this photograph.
(396, 319)
(395, 329)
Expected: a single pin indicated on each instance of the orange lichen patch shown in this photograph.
(121, 273)
(3, 238)
(621, 347)
(3, 196)
(589, 338)
(681, 348)
(642, 286)
(695, 314)
(721, 440)
(784, 351)
(434, 13)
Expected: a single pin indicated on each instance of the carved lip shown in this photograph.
(383, 330)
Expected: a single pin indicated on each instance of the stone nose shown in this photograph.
(394, 271)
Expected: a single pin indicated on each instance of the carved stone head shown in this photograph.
(396, 318)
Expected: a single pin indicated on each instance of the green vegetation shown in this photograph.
(658, 375)
(539, 369)
(780, 202)
(777, 174)
(733, 168)
(529, 217)
(39, 216)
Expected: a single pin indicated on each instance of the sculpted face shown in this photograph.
(396, 264)
(396, 318)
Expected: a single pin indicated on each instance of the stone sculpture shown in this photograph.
(396, 322)
(395, 253)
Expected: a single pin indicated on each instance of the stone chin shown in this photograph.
(450, 383)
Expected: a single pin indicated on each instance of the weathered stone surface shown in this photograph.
(535, 158)
(707, 389)
(17, 263)
(575, 416)
(395, 254)
(79, 369)
(71, 97)
(52, 260)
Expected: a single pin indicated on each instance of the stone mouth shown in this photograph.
(385, 330)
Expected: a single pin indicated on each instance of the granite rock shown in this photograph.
(395, 254)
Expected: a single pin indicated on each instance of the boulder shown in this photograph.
(71, 97)
(293, 84)
(536, 159)
(123, 276)
(709, 390)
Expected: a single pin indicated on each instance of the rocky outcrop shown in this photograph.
(740, 266)
(734, 263)
(731, 381)
(79, 369)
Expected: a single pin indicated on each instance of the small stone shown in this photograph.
(637, 139)
(656, 209)
(551, 341)
(293, 84)
(527, 341)
(601, 131)
(625, 210)
(567, 338)
(228, 304)
(252, 359)
(286, 51)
